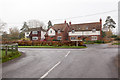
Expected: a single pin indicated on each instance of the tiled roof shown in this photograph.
(60, 27)
(85, 26)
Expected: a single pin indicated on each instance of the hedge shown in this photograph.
(45, 43)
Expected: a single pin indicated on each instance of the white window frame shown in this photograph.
(34, 32)
(94, 38)
(60, 38)
(86, 28)
(59, 32)
(34, 38)
(73, 31)
(73, 37)
(51, 31)
(93, 30)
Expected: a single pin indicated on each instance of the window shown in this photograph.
(93, 30)
(51, 31)
(58, 31)
(72, 38)
(34, 32)
(34, 38)
(27, 36)
(94, 37)
(27, 33)
(73, 31)
(59, 38)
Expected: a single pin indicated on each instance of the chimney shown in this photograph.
(101, 28)
(65, 21)
(100, 21)
(70, 23)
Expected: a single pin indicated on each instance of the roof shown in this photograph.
(60, 27)
(85, 26)
(35, 29)
(24, 26)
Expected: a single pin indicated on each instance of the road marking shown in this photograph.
(50, 70)
(67, 54)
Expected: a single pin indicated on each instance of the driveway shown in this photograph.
(96, 61)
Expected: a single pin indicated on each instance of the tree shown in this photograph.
(4, 36)
(2, 25)
(21, 35)
(49, 24)
(109, 23)
(14, 33)
(35, 23)
(108, 26)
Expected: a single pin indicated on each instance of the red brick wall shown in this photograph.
(63, 34)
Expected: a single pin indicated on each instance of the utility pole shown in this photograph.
(119, 18)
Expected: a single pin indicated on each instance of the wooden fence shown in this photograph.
(8, 47)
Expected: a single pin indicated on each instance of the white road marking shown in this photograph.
(67, 54)
(50, 70)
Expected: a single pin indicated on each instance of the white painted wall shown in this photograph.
(49, 32)
(43, 35)
(83, 33)
(27, 34)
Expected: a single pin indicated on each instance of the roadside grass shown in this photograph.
(10, 55)
(116, 44)
(51, 47)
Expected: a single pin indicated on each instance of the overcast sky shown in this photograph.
(15, 12)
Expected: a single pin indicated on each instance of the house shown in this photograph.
(85, 31)
(37, 33)
(58, 32)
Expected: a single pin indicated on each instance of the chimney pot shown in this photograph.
(70, 23)
(65, 21)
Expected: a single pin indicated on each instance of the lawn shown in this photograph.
(10, 55)
(51, 47)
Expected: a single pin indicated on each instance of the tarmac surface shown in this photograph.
(95, 61)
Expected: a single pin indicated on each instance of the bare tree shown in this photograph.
(14, 33)
(35, 23)
(2, 26)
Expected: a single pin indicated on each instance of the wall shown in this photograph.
(43, 35)
(27, 34)
(49, 32)
(80, 33)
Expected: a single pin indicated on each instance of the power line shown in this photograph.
(87, 15)
(80, 16)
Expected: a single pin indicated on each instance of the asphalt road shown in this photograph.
(96, 61)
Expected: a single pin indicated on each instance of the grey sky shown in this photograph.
(15, 12)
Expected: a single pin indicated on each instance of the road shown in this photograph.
(96, 61)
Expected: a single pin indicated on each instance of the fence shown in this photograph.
(8, 47)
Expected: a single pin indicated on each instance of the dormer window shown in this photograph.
(51, 31)
(58, 31)
(73, 31)
(87, 28)
(93, 30)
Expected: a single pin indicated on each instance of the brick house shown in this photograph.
(34, 33)
(58, 32)
(85, 31)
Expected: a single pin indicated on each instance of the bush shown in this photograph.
(117, 38)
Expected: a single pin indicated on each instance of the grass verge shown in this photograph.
(10, 55)
(116, 44)
(51, 47)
